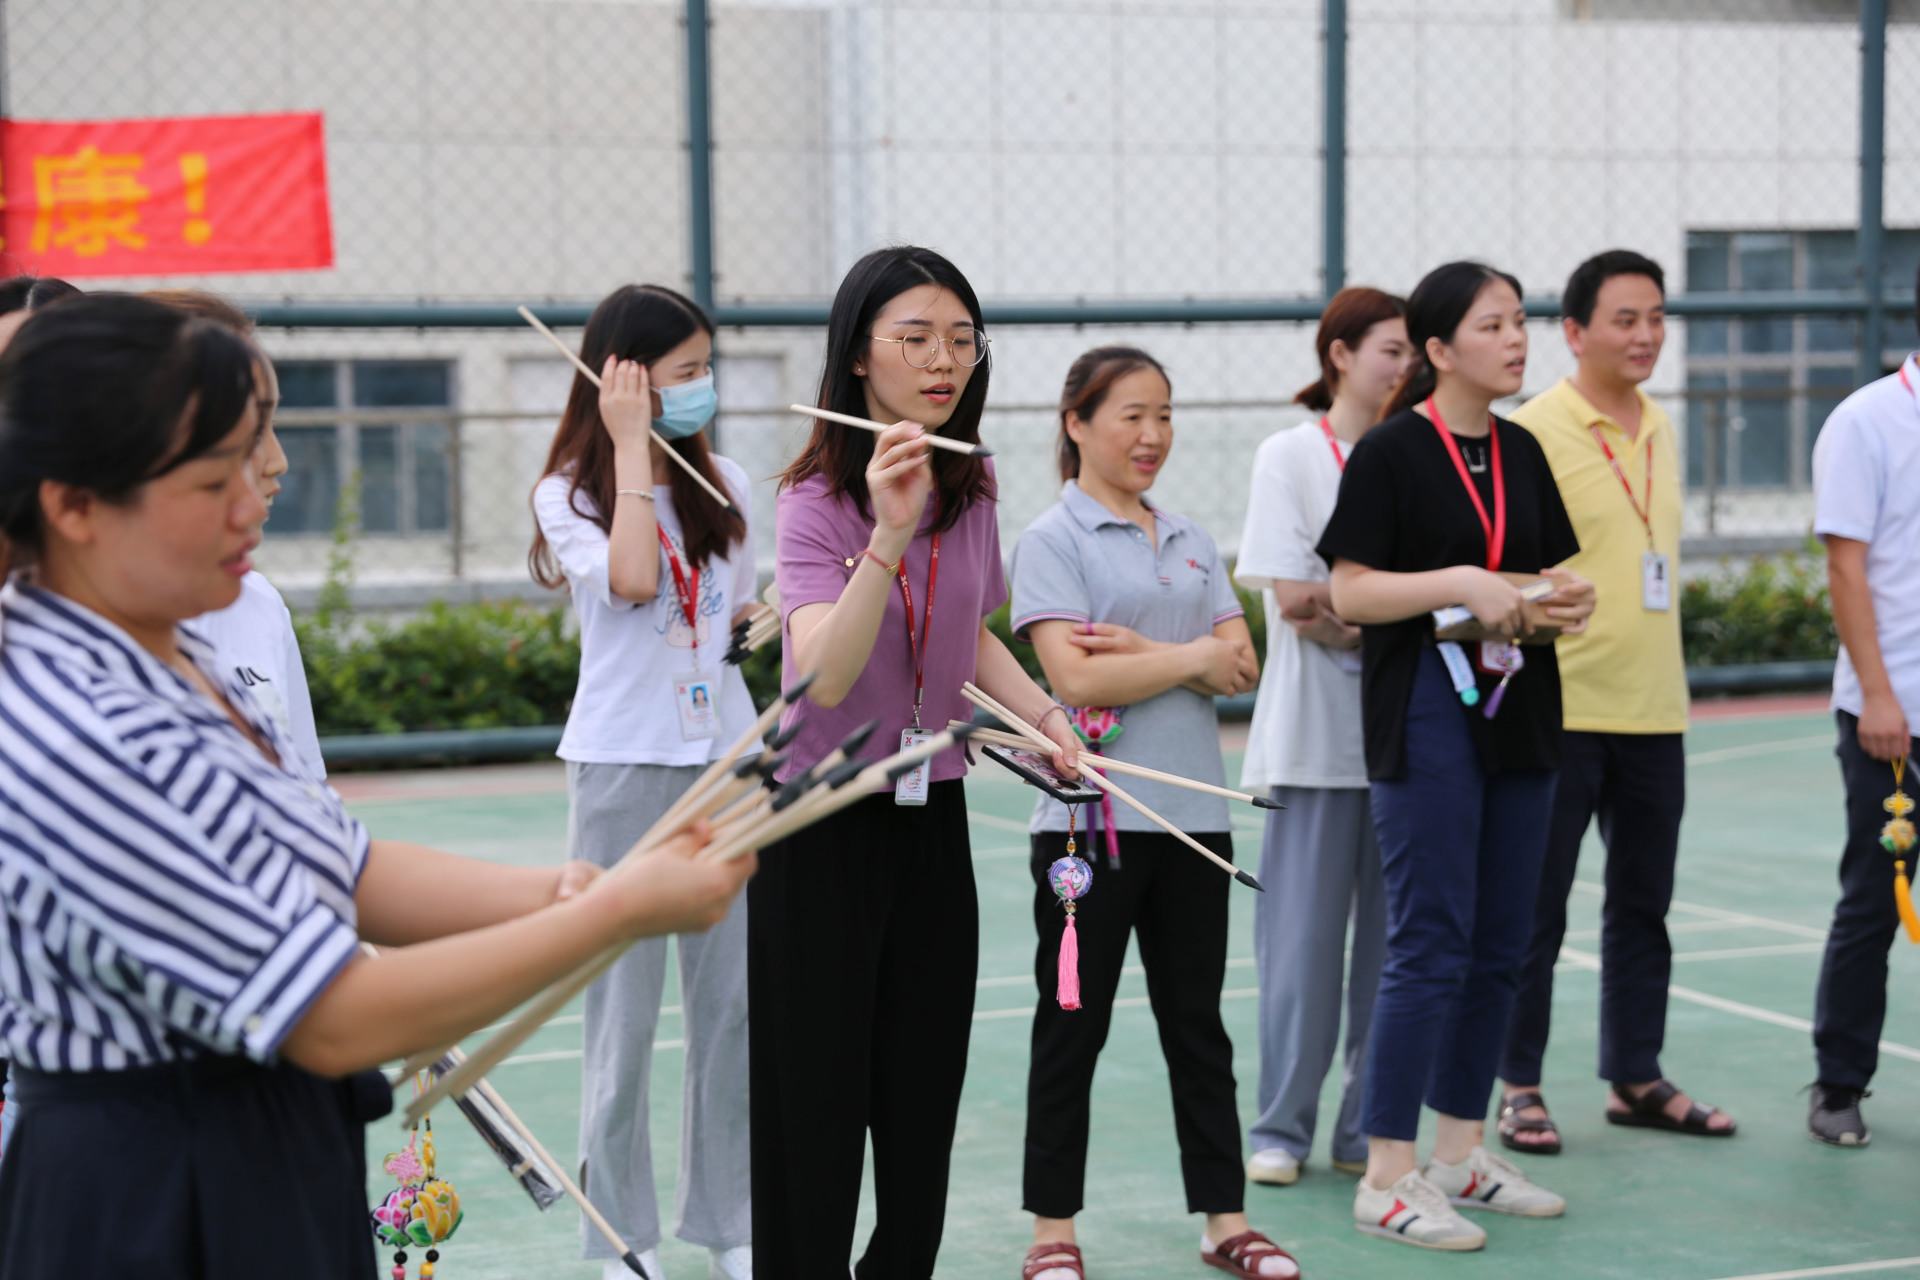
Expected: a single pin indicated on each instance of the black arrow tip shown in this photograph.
(1248, 880)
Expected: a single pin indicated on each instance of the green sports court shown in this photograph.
(1756, 883)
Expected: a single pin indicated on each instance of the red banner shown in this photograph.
(184, 195)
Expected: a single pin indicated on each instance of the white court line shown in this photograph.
(562, 1055)
(1718, 913)
(1003, 851)
(1687, 926)
(1587, 960)
(1843, 1269)
(997, 822)
(1741, 953)
(1759, 749)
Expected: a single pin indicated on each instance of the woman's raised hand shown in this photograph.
(671, 890)
(1496, 603)
(1572, 601)
(626, 403)
(899, 477)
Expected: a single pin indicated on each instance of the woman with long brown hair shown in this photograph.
(658, 571)
(864, 935)
(1436, 503)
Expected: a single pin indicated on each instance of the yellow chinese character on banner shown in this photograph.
(88, 202)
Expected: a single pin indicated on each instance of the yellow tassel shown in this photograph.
(1903, 898)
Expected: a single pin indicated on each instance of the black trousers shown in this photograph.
(1636, 784)
(1851, 1003)
(1177, 902)
(212, 1169)
(863, 940)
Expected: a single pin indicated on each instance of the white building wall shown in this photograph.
(518, 150)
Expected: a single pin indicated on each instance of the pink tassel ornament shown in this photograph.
(1069, 965)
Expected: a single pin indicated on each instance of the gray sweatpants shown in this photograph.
(611, 806)
(1321, 866)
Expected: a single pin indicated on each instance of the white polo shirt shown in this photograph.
(1866, 486)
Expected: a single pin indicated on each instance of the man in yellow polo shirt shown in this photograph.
(1624, 695)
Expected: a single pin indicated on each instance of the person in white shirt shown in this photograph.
(659, 572)
(254, 635)
(1319, 860)
(1866, 470)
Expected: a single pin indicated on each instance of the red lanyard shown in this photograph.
(1496, 528)
(689, 592)
(1333, 443)
(917, 646)
(1646, 513)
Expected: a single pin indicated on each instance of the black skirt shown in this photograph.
(211, 1169)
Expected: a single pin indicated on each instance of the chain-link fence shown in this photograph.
(1165, 152)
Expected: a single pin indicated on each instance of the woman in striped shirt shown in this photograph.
(181, 990)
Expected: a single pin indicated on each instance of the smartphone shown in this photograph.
(1037, 770)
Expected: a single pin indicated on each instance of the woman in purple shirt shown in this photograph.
(863, 931)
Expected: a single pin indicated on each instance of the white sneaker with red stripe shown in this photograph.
(1486, 1181)
(1415, 1211)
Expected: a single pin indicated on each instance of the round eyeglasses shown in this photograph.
(921, 347)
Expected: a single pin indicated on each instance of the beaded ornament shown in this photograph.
(423, 1211)
(1070, 877)
(1897, 838)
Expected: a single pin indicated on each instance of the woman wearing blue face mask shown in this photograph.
(659, 572)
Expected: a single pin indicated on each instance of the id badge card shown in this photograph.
(696, 696)
(911, 787)
(1656, 582)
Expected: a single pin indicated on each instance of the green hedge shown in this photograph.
(503, 663)
(471, 666)
(1771, 611)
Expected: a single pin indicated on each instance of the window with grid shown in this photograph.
(388, 436)
(1759, 387)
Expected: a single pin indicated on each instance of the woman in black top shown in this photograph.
(1462, 741)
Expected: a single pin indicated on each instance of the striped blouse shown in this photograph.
(168, 892)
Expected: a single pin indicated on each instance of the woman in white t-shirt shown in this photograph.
(254, 635)
(659, 572)
(1318, 860)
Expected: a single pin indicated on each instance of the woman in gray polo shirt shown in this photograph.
(1133, 615)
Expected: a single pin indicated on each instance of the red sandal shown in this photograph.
(1034, 1266)
(1242, 1255)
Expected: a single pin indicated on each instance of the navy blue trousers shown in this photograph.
(1461, 853)
(1851, 1003)
(1636, 785)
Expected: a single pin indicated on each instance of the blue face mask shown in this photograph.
(686, 407)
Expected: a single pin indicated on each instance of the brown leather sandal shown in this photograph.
(1512, 1123)
(1034, 1266)
(1649, 1111)
(1242, 1255)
